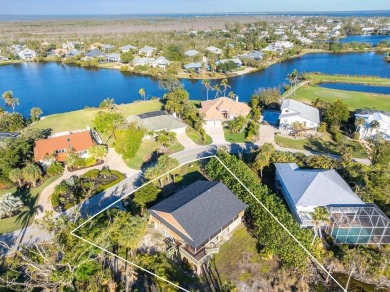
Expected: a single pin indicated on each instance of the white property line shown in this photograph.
(249, 191)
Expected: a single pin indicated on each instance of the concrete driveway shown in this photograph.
(267, 135)
(216, 133)
(186, 141)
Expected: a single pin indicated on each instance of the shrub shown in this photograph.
(55, 199)
(356, 136)
(55, 168)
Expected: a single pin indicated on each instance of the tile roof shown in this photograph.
(211, 109)
(79, 141)
(200, 211)
(315, 187)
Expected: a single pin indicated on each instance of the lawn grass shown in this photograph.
(349, 79)
(144, 153)
(352, 99)
(26, 216)
(234, 138)
(76, 120)
(195, 136)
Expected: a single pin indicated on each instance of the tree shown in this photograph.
(266, 98)
(225, 84)
(142, 93)
(232, 95)
(108, 122)
(374, 125)
(206, 84)
(9, 204)
(10, 100)
(165, 138)
(127, 57)
(217, 89)
(176, 101)
(32, 173)
(145, 195)
(293, 78)
(164, 165)
(108, 103)
(263, 158)
(337, 113)
(319, 217)
(35, 113)
(128, 141)
(55, 168)
(16, 176)
(98, 152)
(359, 122)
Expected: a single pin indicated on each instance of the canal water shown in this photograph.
(57, 88)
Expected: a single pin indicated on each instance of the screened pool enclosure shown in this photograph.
(359, 224)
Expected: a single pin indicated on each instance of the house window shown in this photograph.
(287, 111)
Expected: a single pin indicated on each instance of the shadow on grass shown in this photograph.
(318, 145)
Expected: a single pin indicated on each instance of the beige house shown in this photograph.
(222, 109)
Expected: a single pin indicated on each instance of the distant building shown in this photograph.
(236, 61)
(295, 111)
(193, 67)
(57, 147)
(160, 62)
(27, 54)
(191, 53)
(107, 47)
(73, 53)
(214, 50)
(139, 61)
(95, 53)
(158, 121)
(216, 111)
(366, 131)
(128, 48)
(198, 219)
(147, 51)
(254, 55)
(114, 57)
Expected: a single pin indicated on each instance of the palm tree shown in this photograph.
(35, 113)
(32, 173)
(10, 100)
(142, 93)
(232, 95)
(374, 125)
(292, 78)
(206, 84)
(319, 217)
(218, 90)
(16, 175)
(225, 85)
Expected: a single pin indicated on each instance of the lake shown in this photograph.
(372, 39)
(356, 87)
(57, 88)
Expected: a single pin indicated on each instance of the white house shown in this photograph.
(127, 48)
(114, 57)
(295, 111)
(160, 62)
(214, 50)
(27, 54)
(366, 131)
(191, 53)
(138, 61)
(306, 189)
(147, 51)
(69, 46)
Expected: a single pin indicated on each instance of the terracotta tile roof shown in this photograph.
(79, 141)
(211, 109)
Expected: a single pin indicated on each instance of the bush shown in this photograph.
(55, 168)
(356, 136)
(55, 199)
(91, 174)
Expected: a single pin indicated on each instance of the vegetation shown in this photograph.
(128, 141)
(164, 165)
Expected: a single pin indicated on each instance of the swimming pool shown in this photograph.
(270, 116)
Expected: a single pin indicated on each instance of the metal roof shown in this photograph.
(304, 110)
(201, 209)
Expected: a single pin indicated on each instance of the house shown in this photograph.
(95, 53)
(198, 219)
(191, 53)
(158, 121)
(147, 51)
(27, 54)
(295, 111)
(56, 53)
(138, 61)
(306, 189)
(127, 48)
(58, 146)
(214, 50)
(304, 41)
(254, 55)
(193, 67)
(2, 58)
(114, 57)
(73, 53)
(236, 61)
(381, 118)
(17, 48)
(160, 62)
(284, 44)
(68, 46)
(222, 109)
(107, 47)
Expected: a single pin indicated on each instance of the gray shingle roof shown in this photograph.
(192, 66)
(315, 187)
(304, 110)
(191, 53)
(157, 121)
(201, 209)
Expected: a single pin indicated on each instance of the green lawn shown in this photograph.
(350, 79)
(145, 152)
(354, 100)
(321, 145)
(195, 136)
(80, 119)
(26, 216)
(234, 138)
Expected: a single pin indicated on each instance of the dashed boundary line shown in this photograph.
(153, 180)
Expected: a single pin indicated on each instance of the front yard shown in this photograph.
(195, 136)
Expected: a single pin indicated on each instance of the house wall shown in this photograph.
(285, 123)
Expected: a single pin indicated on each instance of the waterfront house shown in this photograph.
(372, 117)
(294, 111)
(254, 55)
(114, 57)
(95, 53)
(222, 109)
(197, 67)
(139, 61)
(214, 50)
(147, 51)
(73, 53)
(158, 121)
(160, 62)
(58, 146)
(27, 54)
(107, 47)
(191, 53)
(236, 62)
(199, 219)
(68, 46)
(127, 48)
(3, 58)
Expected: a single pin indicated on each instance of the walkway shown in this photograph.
(216, 133)
(267, 135)
(186, 141)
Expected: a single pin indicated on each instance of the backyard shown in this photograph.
(29, 196)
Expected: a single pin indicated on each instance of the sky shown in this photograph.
(25, 7)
